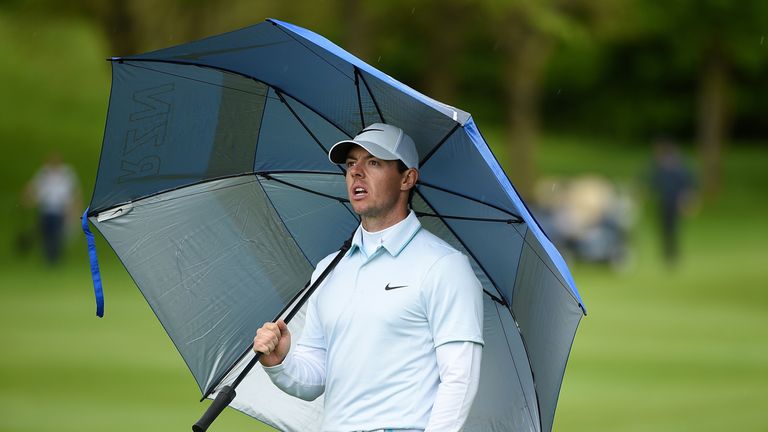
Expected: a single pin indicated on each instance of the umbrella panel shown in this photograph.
(291, 137)
(174, 126)
(319, 224)
(210, 259)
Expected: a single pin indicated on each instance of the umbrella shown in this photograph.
(215, 191)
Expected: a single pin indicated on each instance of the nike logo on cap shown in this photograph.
(387, 288)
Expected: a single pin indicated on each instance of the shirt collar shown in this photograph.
(396, 240)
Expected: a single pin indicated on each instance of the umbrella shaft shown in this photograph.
(227, 393)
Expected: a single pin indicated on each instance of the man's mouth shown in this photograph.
(359, 192)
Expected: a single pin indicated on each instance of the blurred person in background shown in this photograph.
(672, 185)
(55, 194)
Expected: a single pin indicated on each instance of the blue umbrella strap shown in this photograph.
(95, 273)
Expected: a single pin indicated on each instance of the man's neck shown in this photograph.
(375, 224)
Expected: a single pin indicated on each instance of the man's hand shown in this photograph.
(273, 341)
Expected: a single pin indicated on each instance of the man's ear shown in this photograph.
(410, 177)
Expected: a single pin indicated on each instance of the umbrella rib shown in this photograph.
(517, 219)
(383, 120)
(293, 36)
(467, 218)
(224, 374)
(438, 145)
(204, 66)
(466, 248)
(370, 93)
(330, 122)
(565, 286)
(268, 175)
(306, 128)
(495, 298)
(264, 108)
(138, 201)
(359, 99)
(532, 216)
(127, 63)
(530, 368)
(288, 317)
(530, 213)
(343, 201)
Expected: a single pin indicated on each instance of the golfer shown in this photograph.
(394, 335)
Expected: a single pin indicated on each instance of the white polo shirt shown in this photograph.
(380, 318)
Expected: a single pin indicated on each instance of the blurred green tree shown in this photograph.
(527, 33)
(685, 68)
(135, 26)
(631, 67)
(718, 39)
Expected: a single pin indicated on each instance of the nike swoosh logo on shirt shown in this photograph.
(387, 288)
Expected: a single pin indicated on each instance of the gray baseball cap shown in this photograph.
(384, 141)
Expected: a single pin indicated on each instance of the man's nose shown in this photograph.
(355, 170)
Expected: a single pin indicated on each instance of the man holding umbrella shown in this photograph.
(393, 337)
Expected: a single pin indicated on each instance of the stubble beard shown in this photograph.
(378, 214)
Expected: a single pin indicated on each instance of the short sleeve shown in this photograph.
(453, 301)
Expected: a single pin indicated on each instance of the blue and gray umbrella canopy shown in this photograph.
(215, 191)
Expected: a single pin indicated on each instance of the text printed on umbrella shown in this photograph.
(150, 118)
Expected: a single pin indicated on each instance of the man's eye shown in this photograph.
(350, 164)
(374, 162)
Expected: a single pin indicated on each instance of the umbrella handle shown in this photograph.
(222, 400)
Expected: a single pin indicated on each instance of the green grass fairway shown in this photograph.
(64, 369)
(684, 350)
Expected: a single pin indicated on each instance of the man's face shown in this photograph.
(375, 187)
